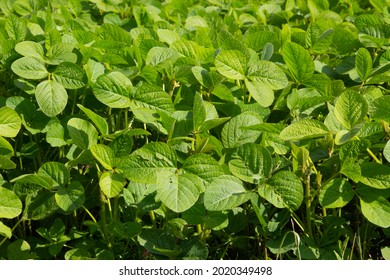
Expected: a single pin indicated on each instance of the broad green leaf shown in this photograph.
(51, 97)
(336, 193)
(114, 90)
(204, 166)
(70, 75)
(30, 48)
(105, 155)
(363, 64)
(304, 129)
(203, 76)
(298, 61)
(30, 68)
(83, 133)
(111, 184)
(251, 163)
(224, 193)
(316, 39)
(177, 191)
(56, 171)
(98, 121)
(350, 108)
(375, 175)
(379, 109)
(16, 27)
(232, 64)
(19, 250)
(10, 204)
(144, 164)
(5, 231)
(386, 252)
(61, 52)
(268, 73)
(10, 123)
(263, 94)
(34, 179)
(71, 197)
(232, 134)
(55, 135)
(386, 151)
(160, 56)
(40, 206)
(6, 148)
(199, 111)
(377, 210)
(153, 97)
(283, 190)
(168, 36)
(159, 242)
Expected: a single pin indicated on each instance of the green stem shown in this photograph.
(153, 218)
(373, 156)
(12, 230)
(308, 206)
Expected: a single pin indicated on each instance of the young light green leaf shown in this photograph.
(233, 136)
(232, 64)
(51, 97)
(284, 189)
(375, 175)
(304, 129)
(153, 97)
(298, 61)
(70, 75)
(5, 230)
(105, 155)
(377, 210)
(70, 198)
(10, 122)
(203, 76)
(16, 27)
(350, 108)
(199, 111)
(82, 132)
(386, 151)
(160, 56)
(268, 73)
(263, 94)
(111, 184)
(251, 163)
(30, 68)
(363, 64)
(56, 171)
(224, 193)
(6, 148)
(55, 135)
(379, 108)
(98, 121)
(10, 204)
(114, 90)
(336, 193)
(30, 48)
(178, 192)
(144, 164)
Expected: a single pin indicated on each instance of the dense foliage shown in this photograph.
(200, 129)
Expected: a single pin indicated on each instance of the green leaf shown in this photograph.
(350, 108)
(268, 73)
(158, 242)
(30, 68)
(251, 163)
(35, 179)
(144, 164)
(260, 92)
(10, 204)
(203, 76)
(363, 64)
(55, 135)
(19, 250)
(304, 129)
(56, 171)
(386, 252)
(160, 56)
(233, 136)
(298, 61)
(70, 75)
(336, 193)
(379, 109)
(70, 198)
(5, 231)
(113, 89)
(283, 190)
(16, 27)
(31, 49)
(6, 148)
(224, 193)
(51, 97)
(199, 111)
(386, 151)
(377, 210)
(40, 206)
(98, 121)
(177, 192)
(83, 133)
(153, 97)
(232, 64)
(105, 155)
(10, 122)
(375, 175)
(111, 184)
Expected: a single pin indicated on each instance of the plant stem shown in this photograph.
(308, 206)
(12, 230)
(373, 156)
